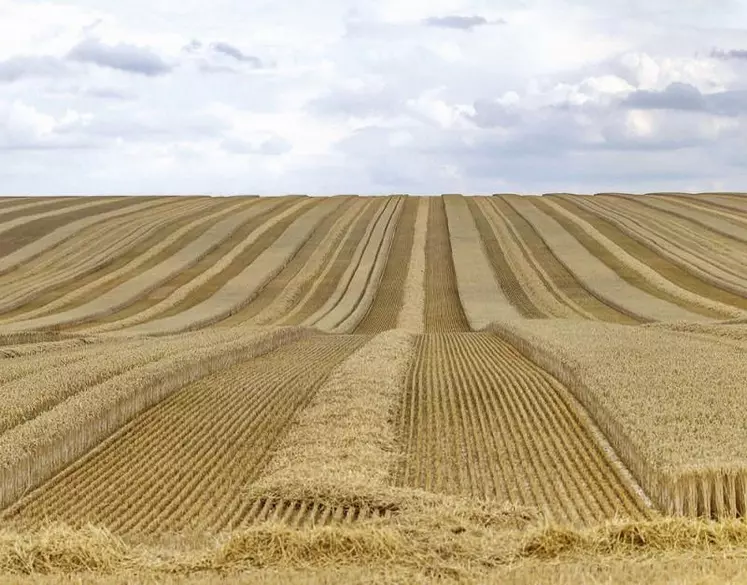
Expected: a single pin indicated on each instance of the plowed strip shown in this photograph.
(277, 285)
(317, 293)
(443, 310)
(480, 419)
(165, 289)
(24, 230)
(503, 271)
(384, 310)
(626, 266)
(184, 463)
(649, 256)
(561, 277)
(92, 250)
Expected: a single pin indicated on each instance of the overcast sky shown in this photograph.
(372, 96)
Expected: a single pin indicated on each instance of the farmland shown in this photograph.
(395, 388)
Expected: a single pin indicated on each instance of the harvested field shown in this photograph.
(483, 421)
(198, 449)
(404, 388)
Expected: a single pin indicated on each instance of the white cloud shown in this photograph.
(353, 95)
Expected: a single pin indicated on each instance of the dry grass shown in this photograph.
(338, 269)
(671, 409)
(658, 406)
(425, 549)
(642, 273)
(192, 481)
(723, 224)
(366, 287)
(675, 242)
(243, 287)
(346, 435)
(188, 289)
(89, 251)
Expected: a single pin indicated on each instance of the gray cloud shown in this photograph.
(235, 53)
(460, 22)
(676, 96)
(357, 103)
(685, 97)
(491, 114)
(731, 54)
(23, 66)
(108, 93)
(123, 57)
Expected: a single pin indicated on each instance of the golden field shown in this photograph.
(374, 389)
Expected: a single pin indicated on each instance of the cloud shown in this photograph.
(460, 22)
(676, 96)
(24, 127)
(24, 66)
(270, 146)
(731, 54)
(685, 97)
(124, 57)
(235, 53)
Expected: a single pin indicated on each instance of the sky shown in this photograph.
(372, 97)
